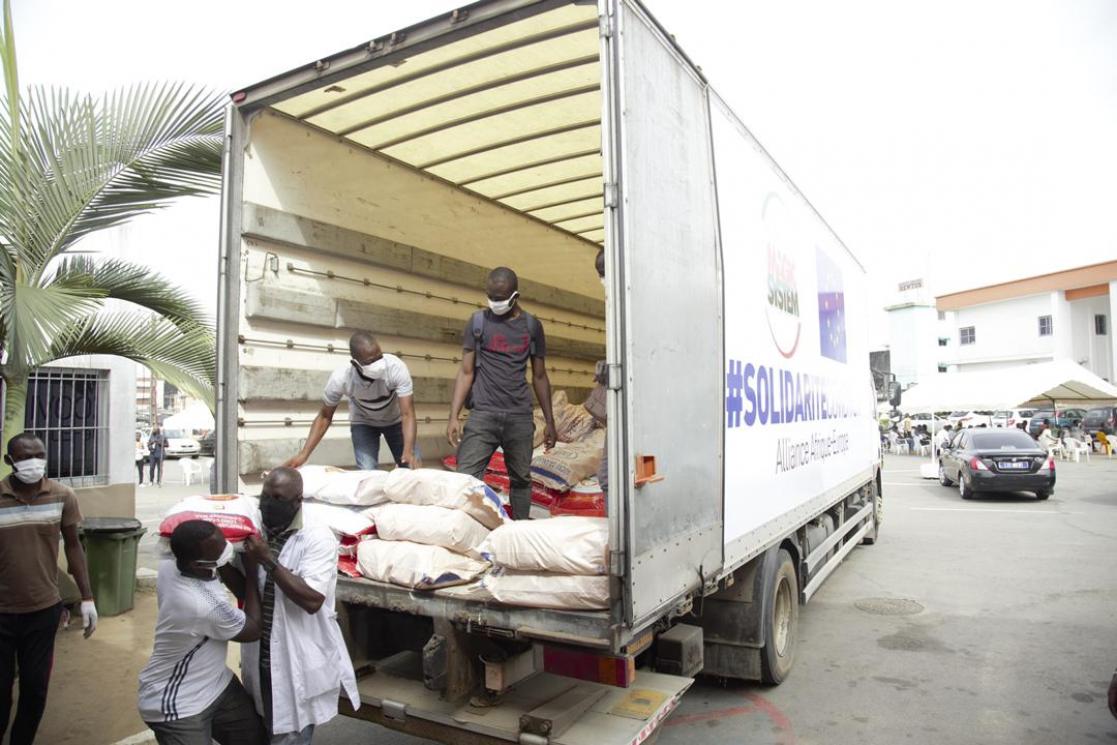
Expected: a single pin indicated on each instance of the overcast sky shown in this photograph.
(965, 142)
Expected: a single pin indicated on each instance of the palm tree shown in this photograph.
(71, 164)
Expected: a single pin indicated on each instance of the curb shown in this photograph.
(145, 580)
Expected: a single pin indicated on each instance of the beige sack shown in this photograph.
(454, 491)
(434, 526)
(558, 591)
(415, 565)
(569, 463)
(564, 545)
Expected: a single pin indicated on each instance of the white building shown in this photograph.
(1064, 315)
(915, 333)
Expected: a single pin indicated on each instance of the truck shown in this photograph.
(376, 188)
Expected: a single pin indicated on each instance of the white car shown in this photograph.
(181, 444)
(1012, 418)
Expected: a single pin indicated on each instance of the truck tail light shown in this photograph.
(977, 465)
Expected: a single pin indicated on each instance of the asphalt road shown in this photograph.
(153, 501)
(1006, 631)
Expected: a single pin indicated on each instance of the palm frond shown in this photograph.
(94, 164)
(186, 358)
(121, 280)
(31, 316)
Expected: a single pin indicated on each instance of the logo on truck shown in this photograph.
(784, 321)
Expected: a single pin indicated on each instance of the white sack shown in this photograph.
(343, 521)
(558, 591)
(454, 491)
(434, 526)
(564, 545)
(415, 565)
(350, 488)
(236, 515)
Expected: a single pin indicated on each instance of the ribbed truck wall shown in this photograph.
(337, 239)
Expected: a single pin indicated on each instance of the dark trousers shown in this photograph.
(231, 720)
(26, 639)
(366, 443)
(154, 464)
(140, 470)
(484, 432)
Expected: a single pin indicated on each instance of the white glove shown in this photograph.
(88, 617)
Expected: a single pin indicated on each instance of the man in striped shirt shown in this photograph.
(188, 696)
(35, 513)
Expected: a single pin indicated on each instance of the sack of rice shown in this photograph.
(558, 591)
(343, 521)
(434, 526)
(564, 545)
(568, 463)
(336, 486)
(415, 565)
(572, 421)
(235, 515)
(454, 491)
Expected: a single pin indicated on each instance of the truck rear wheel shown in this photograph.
(782, 628)
(878, 515)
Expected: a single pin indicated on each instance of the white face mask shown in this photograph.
(374, 370)
(222, 560)
(30, 471)
(500, 307)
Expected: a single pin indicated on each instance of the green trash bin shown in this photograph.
(111, 545)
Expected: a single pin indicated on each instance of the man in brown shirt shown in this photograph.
(34, 513)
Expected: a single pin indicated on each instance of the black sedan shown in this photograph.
(1002, 460)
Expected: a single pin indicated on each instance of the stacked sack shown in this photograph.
(429, 529)
(572, 464)
(341, 500)
(558, 563)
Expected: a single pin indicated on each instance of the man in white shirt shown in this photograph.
(943, 437)
(297, 670)
(381, 402)
(187, 695)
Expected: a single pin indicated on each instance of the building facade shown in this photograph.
(84, 410)
(916, 334)
(1065, 315)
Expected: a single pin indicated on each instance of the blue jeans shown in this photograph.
(366, 443)
(484, 432)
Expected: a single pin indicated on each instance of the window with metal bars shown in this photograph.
(68, 409)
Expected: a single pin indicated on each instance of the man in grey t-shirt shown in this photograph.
(498, 344)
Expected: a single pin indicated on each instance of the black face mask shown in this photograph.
(276, 514)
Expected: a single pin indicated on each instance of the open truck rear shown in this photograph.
(376, 188)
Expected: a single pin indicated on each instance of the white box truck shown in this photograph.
(375, 189)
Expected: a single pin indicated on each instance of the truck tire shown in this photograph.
(782, 630)
(943, 478)
(878, 515)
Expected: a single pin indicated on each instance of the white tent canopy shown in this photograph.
(195, 417)
(1062, 381)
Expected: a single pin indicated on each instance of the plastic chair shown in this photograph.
(192, 470)
(1105, 444)
(1078, 448)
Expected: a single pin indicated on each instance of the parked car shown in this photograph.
(996, 461)
(181, 444)
(1059, 418)
(208, 443)
(1102, 419)
(1012, 417)
(963, 419)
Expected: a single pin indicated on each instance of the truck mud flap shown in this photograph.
(542, 710)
